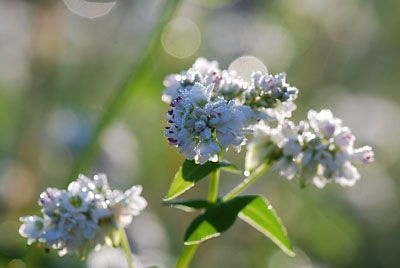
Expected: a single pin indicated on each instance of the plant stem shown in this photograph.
(190, 250)
(246, 182)
(186, 256)
(213, 190)
(125, 90)
(125, 246)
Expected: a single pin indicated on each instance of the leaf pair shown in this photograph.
(219, 217)
(190, 173)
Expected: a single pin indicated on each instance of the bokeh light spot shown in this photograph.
(246, 65)
(181, 38)
(16, 263)
(89, 9)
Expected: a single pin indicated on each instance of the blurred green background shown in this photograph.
(61, 61)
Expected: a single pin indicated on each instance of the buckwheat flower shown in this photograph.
(31, 228)
(80, 218)
(130, 204)
(262, 144)
(344, 138)
(201, 126)
(319, 150)
(271, 96)
(324, 123)
(363, 155)
(230, 85)
(267, 142)
(203, 66)
(202, 71)
(291, 145)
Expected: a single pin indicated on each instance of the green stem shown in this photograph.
(213, 190)
(247, 181)
(125, 246)
(190, 250)
(186, 256)
(127, 87)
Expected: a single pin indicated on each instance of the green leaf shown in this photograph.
(189, 205)
(215, 220)
(261, 216)
(190, 173)
(254, 210)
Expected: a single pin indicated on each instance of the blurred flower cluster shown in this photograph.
(85, 216)
(319, 150)
(212, 109)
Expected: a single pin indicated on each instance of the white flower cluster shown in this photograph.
(320, 149)
(271, 96)
(83, 216)
(202, 127)
(225, 83)
(212, 109)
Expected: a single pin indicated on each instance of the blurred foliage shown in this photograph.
(58, 70)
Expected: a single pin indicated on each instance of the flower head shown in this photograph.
(82, 216)
(271, 96)
(202, 71)
(319, 150)
(212, 109)
(201, 126)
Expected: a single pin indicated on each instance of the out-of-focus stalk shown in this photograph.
(127, 86)
(125, 246)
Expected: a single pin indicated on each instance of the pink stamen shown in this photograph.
(38, 245)
(47, 250)
(170, 112)
(170, 121)
(167, 127)
(171, 132)
(348, 137)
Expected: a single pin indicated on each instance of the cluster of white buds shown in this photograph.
(212, 109)
(82, 217)
(320, 149)
(225, 83)
(271, 95)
